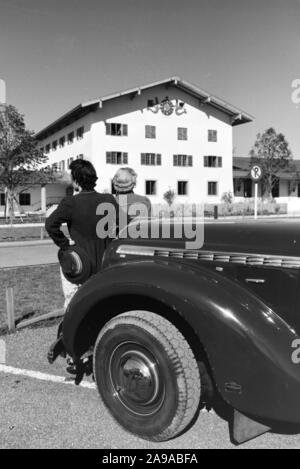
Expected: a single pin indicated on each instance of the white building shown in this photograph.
(172, 133)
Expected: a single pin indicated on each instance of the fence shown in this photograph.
(7, 231)
(15, 325)
(242, 209)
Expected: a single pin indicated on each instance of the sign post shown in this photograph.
(256, 175)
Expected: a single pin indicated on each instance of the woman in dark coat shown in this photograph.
(80, 214)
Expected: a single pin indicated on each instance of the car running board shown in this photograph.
(245, 429)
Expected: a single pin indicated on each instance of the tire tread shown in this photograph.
(182, 358)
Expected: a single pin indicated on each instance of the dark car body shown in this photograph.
(238, 296)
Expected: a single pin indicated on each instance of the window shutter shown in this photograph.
(125, 130)
(158, 159)
(125, 158)
(190, 160)
(220, 161)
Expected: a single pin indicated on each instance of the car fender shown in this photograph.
(249, 347)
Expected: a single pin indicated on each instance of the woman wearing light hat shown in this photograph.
(124, 182)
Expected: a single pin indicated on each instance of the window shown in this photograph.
(47, 150)
(2, 199)
(62, 166)
(182, 187)
(276, 187)
(70, 161)
(152, 102)
(212, 188)
(150, 187)
(116, 129)
(70, 138)
(150, 131)
(79, 157)
(79, 133)
(54, 145)
(182, 133)
(212, 135)
(182, 160)
(213, 161)
(116, 157)
(151, 159)
(62, 142)
(25, 199)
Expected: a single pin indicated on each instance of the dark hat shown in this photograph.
(75, 264)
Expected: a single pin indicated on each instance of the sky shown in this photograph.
(56, 54)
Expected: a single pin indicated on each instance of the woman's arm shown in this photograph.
(63, 214)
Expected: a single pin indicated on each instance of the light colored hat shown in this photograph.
(124, 180)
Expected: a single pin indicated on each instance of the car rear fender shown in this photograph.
(249, 347)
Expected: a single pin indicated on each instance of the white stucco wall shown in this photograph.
(134, 113)
(74, 149)
(197, 120)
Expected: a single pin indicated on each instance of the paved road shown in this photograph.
(15, 256)
(47, 414)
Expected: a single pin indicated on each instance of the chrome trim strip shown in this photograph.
(255, 280)
(266, 260)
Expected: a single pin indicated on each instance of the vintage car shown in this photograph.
(171, 329)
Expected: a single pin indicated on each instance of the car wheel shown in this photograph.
(147, 375)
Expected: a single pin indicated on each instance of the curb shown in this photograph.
(11, 244)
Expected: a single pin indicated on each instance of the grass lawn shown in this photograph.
(24, 233)
(37, 290)
(21, 234)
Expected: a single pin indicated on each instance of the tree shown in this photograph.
(271, 151)
(20, 159)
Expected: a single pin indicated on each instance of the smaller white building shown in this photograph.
(173, 134)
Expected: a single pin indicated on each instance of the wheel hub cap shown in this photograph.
(136, 380)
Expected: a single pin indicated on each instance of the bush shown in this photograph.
(227, 198)
(169, 197)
